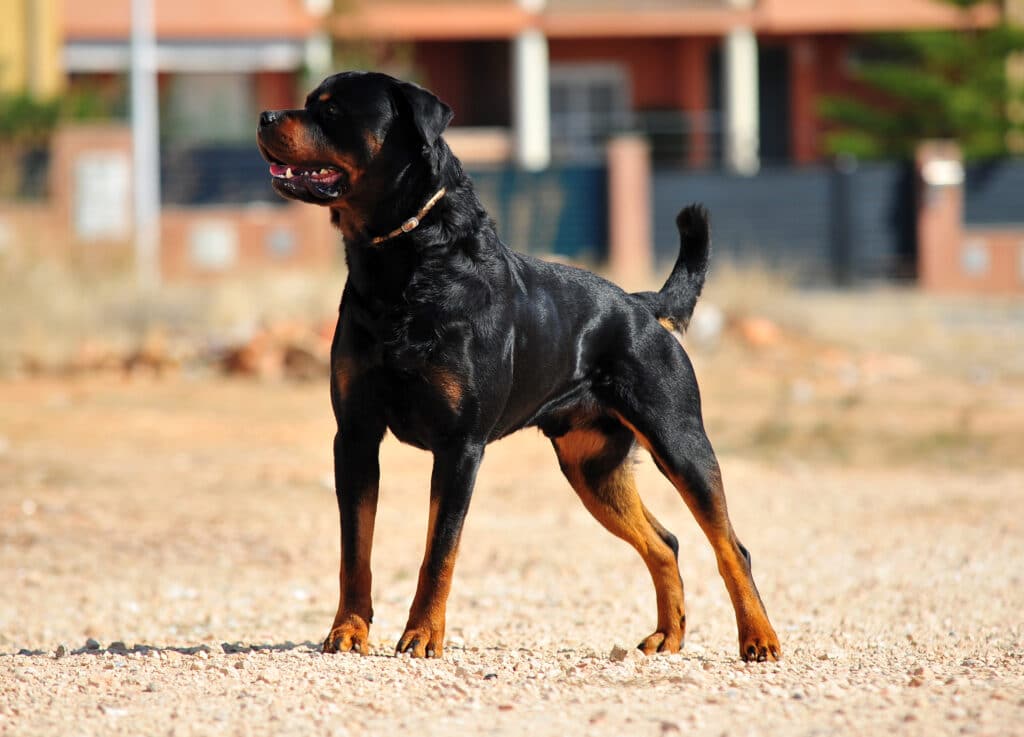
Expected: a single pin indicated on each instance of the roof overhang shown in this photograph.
(415, 20)
(181, 56)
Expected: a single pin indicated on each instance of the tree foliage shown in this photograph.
(932, 84)
(25, 120)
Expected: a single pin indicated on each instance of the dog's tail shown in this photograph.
(673, 304)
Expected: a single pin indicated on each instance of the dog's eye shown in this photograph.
(333, 110)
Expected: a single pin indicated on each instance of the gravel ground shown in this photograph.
(168, 563)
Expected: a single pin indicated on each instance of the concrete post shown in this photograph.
(531, 104)
(740, 96)
(319, 51)
(146, 144)
(630, 245)
(940, 217)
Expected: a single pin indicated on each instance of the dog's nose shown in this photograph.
(269, 117)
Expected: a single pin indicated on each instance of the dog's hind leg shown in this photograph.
(656, 396)
(595, 459)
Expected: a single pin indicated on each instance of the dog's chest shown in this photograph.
(419, 407)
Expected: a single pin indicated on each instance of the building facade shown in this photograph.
(709, 82)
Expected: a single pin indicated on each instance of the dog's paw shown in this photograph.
(349, 634)
(661, 642)
(760, 645)
(421, 641)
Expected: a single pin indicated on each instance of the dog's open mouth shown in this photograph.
(309, 182)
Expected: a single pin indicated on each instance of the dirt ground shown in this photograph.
(168, 564)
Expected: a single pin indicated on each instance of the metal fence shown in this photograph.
(561, 210)
(994, 192)
(824, 224)
(214, 174)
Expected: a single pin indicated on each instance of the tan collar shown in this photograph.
(412, 222)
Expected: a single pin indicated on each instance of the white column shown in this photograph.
(319, 52)
(145, 145)
(741, 108)
(531, 104)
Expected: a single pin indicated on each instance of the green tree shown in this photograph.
(933, 84)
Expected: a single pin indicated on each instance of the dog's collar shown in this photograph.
(413, 222)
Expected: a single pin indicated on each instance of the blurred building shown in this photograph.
(220, 61)
(720, 95)
(30, 44)
(708, 81)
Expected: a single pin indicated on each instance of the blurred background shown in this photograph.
(863, 164)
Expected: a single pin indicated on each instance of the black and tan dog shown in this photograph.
(451, 340)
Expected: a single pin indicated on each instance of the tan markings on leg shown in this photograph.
(424, 634)
(668, 323)
(751, 618)
(356, 590)
(615, 503)
(431, 599)
(344, 370)
(350, 630)
(578, 446)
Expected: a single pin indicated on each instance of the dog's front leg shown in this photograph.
(451, 486)
(356, 477)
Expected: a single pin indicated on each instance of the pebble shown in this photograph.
(92, 644)
(60, 652)
(695, 678)
(270, 674)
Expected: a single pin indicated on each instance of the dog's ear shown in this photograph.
(429, 114)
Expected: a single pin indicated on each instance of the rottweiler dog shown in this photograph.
(451, 340)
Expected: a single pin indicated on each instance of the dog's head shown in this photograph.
(353, 126)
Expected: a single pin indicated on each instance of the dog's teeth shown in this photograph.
(288, 173)
(323, 171)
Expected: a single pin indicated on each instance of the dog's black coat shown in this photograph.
(451, 340)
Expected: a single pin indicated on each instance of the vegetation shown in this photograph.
(934, 84)
(27, 123)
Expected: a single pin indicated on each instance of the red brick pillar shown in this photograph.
(803, 64)
(693, 97)
(630, 245)
(940, 214)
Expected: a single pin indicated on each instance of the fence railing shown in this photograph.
(214, 174)
(994, 192)
(824, 224)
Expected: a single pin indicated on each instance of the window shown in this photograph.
(210, 107)
(589, 102)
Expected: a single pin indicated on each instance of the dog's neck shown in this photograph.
(381, 273)
(388, 194)
(412, 223)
